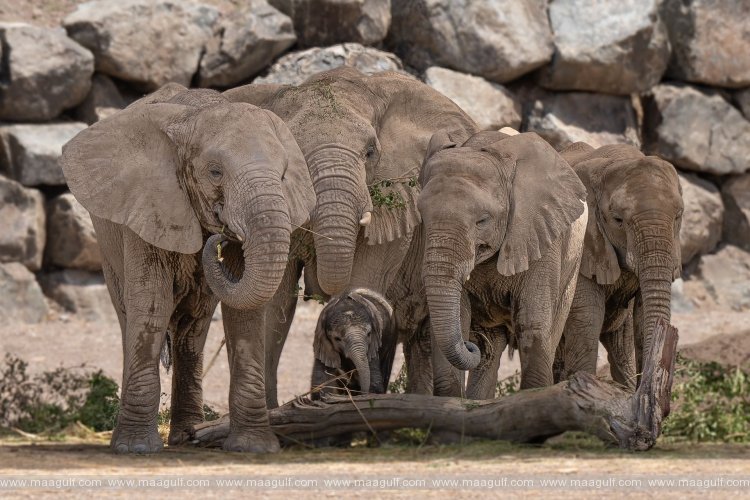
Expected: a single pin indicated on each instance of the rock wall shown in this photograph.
(669, 76)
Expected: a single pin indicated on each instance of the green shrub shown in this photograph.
(710, 402)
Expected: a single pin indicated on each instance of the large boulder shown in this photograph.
(327, 22)
(491, 105)
(71, 240)
(497, 39)
(148, 42)
(743, 101)
(29, 153)
(297, 67)
(43, 72)
(246, 43)
(696, 130)
(723, 277)
(703, 217)
(22, 230)
(597, 119)
(103, 100)
(709, 41)
(736, 193)
(81, 292)
(21, 299)
(611, 46)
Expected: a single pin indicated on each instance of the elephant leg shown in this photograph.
(149, 304)
(580, 344)
(492, 342)
(249, 427)
(187, 376)
(621, 353)
(418, 359)
(279, 315)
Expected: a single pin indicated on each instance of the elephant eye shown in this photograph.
(483, 221)
(214, 171)
(370, 151)
(617, 219)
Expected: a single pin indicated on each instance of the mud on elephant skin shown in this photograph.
(631, 255)
(353, 331)
(503, 219)
(158, 178)
(360, 135)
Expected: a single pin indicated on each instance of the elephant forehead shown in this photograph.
(466, 163)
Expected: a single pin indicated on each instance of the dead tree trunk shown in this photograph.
(583, 403)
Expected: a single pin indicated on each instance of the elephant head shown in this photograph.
(352, 326)
(182, 163)
(358, 134)
(508, 197)
(635, 206)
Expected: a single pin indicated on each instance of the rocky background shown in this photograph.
(671, 77)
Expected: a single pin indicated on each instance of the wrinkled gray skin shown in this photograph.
(158, 178)
(631, 255)
(351, 332)
(355, 131)
(503, 220)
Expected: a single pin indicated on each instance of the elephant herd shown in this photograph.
(420, 229)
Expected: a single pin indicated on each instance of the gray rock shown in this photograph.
(297, 67)
(743, 101)
(724, 277)
(81, 292)
(71, 240)
(491, 105)
(149, 42)
(702, 219)
(103, 100)
(497, 39)
(696, 130)
(43, 72)
(709, 41)
(29, 153)
(21, 299)
(327, 22)
(246, 43)
(610, 46)
(22, 229)
(736, 193)
(597, 119)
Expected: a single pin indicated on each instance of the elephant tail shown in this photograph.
(166, 352)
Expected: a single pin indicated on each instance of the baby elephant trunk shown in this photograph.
(355, 349)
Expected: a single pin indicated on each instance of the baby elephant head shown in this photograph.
(350, 330)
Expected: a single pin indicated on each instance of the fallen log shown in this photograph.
(583, 403)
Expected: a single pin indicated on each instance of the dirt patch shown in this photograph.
(725, 349)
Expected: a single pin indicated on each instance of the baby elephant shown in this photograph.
(353, 331)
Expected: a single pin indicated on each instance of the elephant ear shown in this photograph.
(546, 198)
(322, 345)
(381, 315)
(295, 181)
(599, 259)
(413, 112)
(124, 169)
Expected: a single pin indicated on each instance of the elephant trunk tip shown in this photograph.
(469, 359)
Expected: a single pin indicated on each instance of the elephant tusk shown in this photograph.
(366, 218)
(509, 131)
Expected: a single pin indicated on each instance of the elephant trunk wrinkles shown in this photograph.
(355, 349)
(341, 201)
(443, 276)
(264, 222)
(655, 268)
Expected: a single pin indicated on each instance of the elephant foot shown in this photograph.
(179, 432)
(140, 439)
(256, 441)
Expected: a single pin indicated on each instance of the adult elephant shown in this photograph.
(364, 139)
(503, 220)
(159, 178)
(631, 255)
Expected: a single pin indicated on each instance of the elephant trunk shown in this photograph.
(264, 225)
(342, 199)
(355, 349)
(444, 271)
(655, 267)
